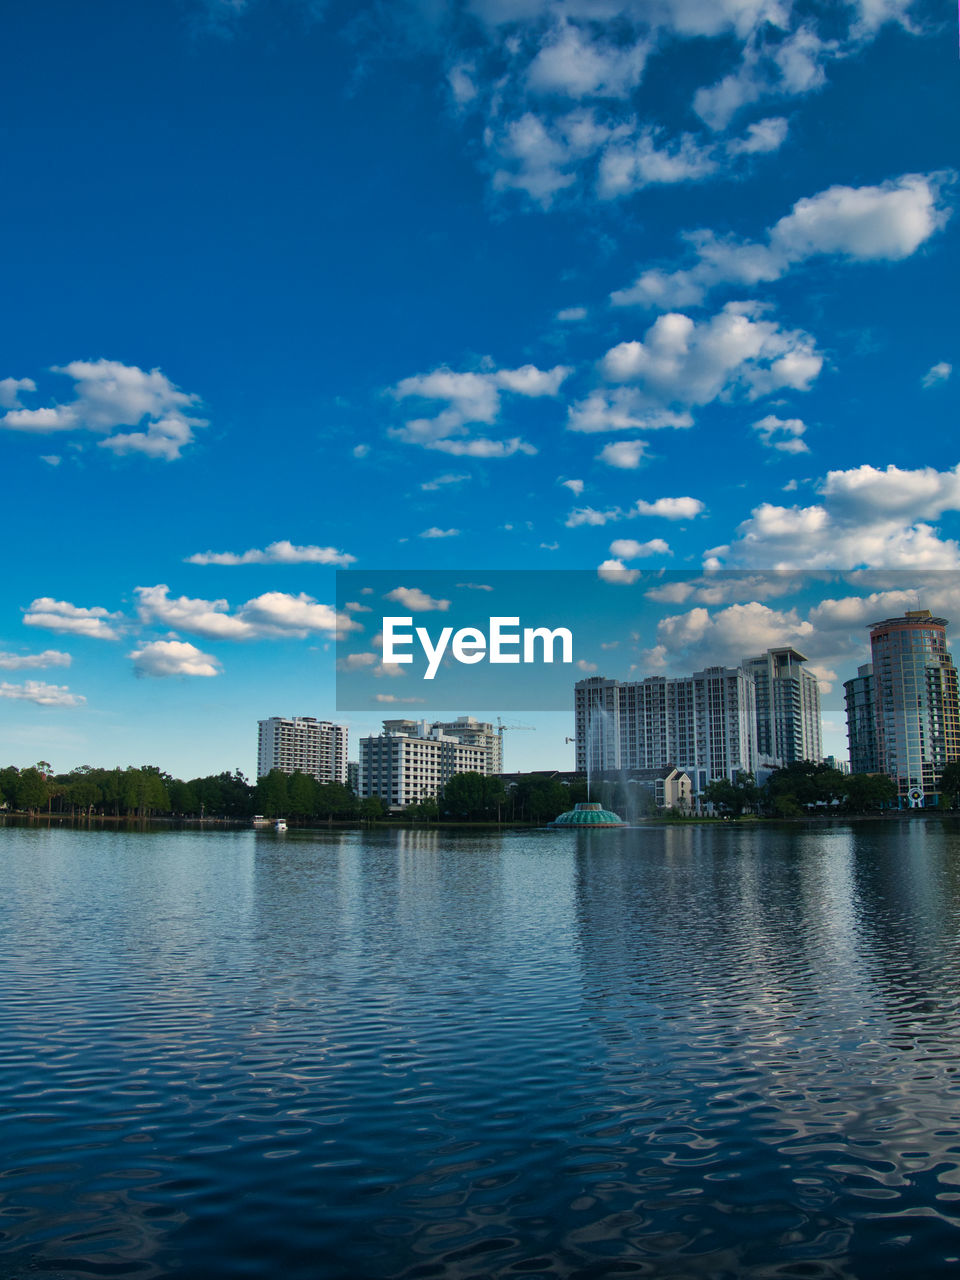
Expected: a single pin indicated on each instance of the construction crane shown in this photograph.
(501, 730)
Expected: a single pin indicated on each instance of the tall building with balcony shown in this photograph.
(703, 724)
(411, 760)
(860, 699)
(788, 707)
(302, 744)
(916, 701)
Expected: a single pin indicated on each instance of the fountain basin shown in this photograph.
(589, 814)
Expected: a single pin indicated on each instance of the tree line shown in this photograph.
(796, 789)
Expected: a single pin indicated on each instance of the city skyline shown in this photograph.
(507, 284)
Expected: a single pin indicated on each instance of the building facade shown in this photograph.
(860, 700)
(788, 707)
(917, 713)
(703, 724)
(412, 760)
(303, 744)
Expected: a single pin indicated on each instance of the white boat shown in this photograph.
(260, 821)
(280, 825)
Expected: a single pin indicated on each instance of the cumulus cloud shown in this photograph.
(700, 638)
(886, 222)
(71, 619)
(783, 434)
(937, 373)
(471, 398)
(575, 486)
(416, 601)
(173, 658)
(392, 697)
(273, 615)
(624, 454)
(670, 508)
(617, 573)
(590, 516)
(283, 552)
(630, 549)
(28, 661)
(866, 517)
(736, 352)
(44, 695)
(10, 389)
(435, 532)
(108, 395)
(622, 409)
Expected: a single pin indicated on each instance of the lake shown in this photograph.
(676, 1051)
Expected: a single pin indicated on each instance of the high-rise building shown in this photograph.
(788, 707)
(917, 708)
(704, 724)
(411, 760)
(303, 744)
(860, 700)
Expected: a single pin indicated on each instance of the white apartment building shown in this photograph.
(303, 744)
(411, 760)
(704, 724)
(788, 707)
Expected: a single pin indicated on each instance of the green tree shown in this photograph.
(950, 784)
(866, 791)
(31, 791)
(301, 795)
(271, 794)
(372, 808)
(733, 797)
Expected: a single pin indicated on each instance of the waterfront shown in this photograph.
(676, 1051)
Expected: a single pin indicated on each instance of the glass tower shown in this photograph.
(917, 710)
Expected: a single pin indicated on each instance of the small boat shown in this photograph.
(260, 821)
(280, 825)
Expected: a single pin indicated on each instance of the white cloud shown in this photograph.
(698, 638)
(590, 516)
(867, 517)
(471, 398)
(670, 508)
(10, 389)
(416, 601)
(630, 549)
(617, 573)
(682, 362)
(360, 450)
(575, 486)
(51, 459)
(783, 434)
(622, 409)
(435, 532)
(282, 552)
(624, 454)
(173, 658)
(937, 373)
(761, 137)
(44, 695)
(357, 661)
(584, 665)
(70, 619)
(392, 697)
(428, 486)
(480, 447)
(645, 160)
(572, 63)
(887, 222)
(109, 395)
(569, 315)
(28, 661)
(273, 615)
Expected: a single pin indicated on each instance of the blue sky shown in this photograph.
(505, 284)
